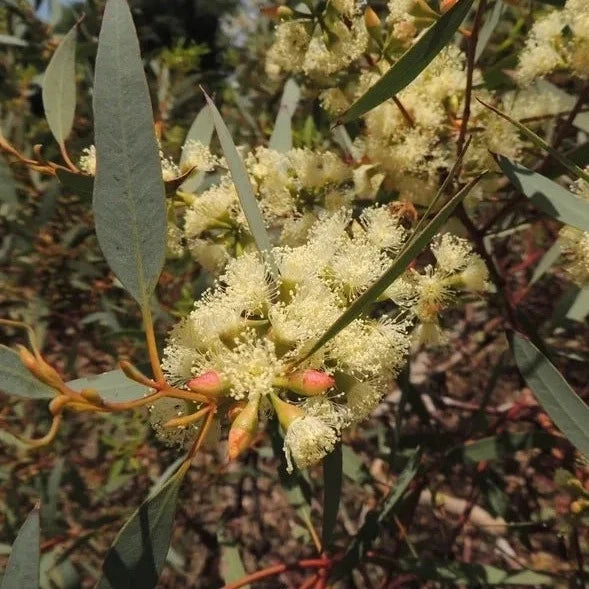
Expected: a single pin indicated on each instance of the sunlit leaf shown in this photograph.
(539, 142)
(563, 405)
(12, 40)
(112, 386)
(59, 88)
(231, 565)
(247, 198)
(548, 196)
(281, 138)
(129, 199)
(491, 21)
(138, 554)
(200, 131)
(411, 63)
(15, 379)
(546, 262)
(22, 570)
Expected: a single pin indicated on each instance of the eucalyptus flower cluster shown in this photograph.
(405, 142)
(558, 40)
(248, 340)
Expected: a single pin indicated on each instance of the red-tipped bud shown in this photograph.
(234, 410)
(445, 5)
(306, 382)
(243, 429)
(371, 18)
(286, 412)
(208, 383)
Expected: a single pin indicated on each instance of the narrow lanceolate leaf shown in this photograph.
(491, 21)
(15, 379)
(548, 196)
(200, 131)
(22, 570)
(539, 142)
(112, 386)
(563, 405)
(501, 446)
(411, 63)
(374, 520)
(59, 88)
(138, 554)
(281, 138)
(332, 492)
(129, 200)
(247, 198)
(231, 565)
(399, 265)
(473, 574)
(546, 262)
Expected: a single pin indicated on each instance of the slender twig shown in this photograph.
(66, 156)
(472, 47)
(151, 344)
(310, 563)
(406, 115)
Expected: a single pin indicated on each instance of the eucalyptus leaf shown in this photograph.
(563, 405)
(546, 262)
(15, 379)
(281, 138)
(12, 40)
(22, 570)
(548, 196)
(129, 199)
(501, 446)
(411, 63)
(200, 131)
(399, 265)
(374, 520)
(474, 574)
(539, 142)
(59, 88)
(488, 27)
(332, 492)
(112, 386)
(247, 198)
(138, 553)
(231, 565)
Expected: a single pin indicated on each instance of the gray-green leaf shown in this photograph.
(548, 196)
(411, 63)
(563, 405)
(59, 88)
(112, 386)
(200, 131)
(138, 554)
(129, 198)
(15, 379)
(22, 570)
(281, 138)
(247, 198)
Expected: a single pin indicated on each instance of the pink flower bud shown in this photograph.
(306, 382)
(208, 383)
(243, 429)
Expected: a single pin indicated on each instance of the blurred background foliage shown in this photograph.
(53, 276)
